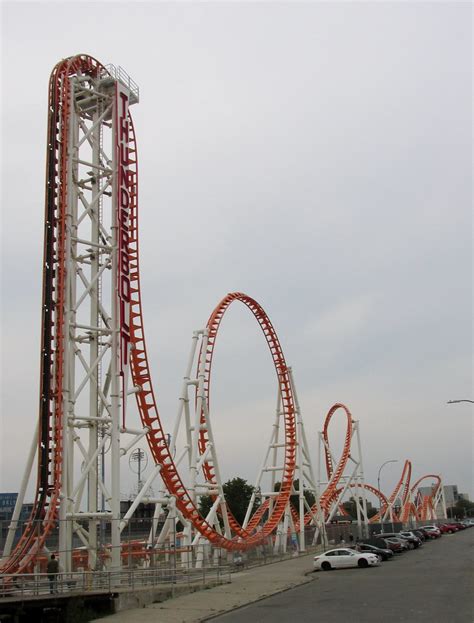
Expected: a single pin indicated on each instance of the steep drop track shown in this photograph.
(50, 444)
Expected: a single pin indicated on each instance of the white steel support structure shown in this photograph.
(439, 503)
(95, 377)
(201, 464)
(273, 465)
(190, 457)
(306, 481)
(351, 482)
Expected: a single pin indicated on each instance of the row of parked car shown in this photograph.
(383, 546)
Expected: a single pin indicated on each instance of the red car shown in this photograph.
(458, 525)
(448, 528)
(433, 531)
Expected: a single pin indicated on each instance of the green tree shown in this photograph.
(295, 498)
(351, 507)
(462, 508)
(237, 493)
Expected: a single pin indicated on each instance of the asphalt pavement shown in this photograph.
(246, 587)
(432, 584)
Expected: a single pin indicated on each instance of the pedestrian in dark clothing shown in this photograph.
(52, 569)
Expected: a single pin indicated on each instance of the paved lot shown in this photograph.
(246, 587)
(432, 584)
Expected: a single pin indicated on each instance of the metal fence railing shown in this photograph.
(31, 585)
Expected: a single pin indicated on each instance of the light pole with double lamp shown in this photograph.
(378, 487)
(451, 402)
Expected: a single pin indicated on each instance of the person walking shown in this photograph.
(52, 569)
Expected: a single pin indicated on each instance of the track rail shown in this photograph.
(425, 508)
(157, 438)
(52, 363)
(55, 267)
(50, 450)
(288, 405)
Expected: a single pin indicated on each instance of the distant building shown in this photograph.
(143, 511)
(7, 506)
(451, 494)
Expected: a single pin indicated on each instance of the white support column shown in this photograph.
(65, 526)
(300, 471)
(116, 385)
(361, 481)
(94, 319)
(12, 528)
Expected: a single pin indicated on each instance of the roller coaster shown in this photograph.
(94, 360)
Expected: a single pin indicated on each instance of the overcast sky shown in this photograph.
(316, 156)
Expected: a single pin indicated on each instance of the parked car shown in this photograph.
(405, 543)
(426, 534)
(420, 534)
(448, 528)
(411, 538)
(398, 545)
(433, 531)
(459, 525)
(395, 547)
(384, 553)
(341, 558)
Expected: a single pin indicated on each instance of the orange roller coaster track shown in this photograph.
(91, 241)
(50, 439)
(81, 90)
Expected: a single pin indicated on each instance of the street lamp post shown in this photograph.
(452, 402)
(378, 487)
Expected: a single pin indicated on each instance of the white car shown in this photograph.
(341, 558)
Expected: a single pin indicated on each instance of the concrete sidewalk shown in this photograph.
(246, 587)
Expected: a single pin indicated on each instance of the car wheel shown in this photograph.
(363, 563)
(450, 531)
(326, 566)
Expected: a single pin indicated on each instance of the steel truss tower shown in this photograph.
(91, 194)
(101, 184)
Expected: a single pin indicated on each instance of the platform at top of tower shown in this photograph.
(119, 74)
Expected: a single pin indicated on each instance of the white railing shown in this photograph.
(121, 75)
